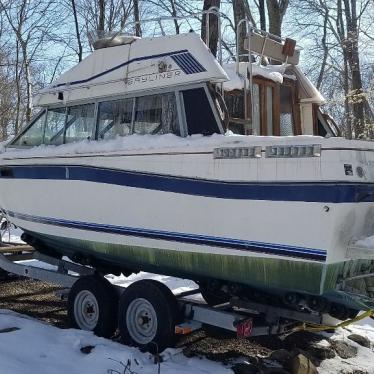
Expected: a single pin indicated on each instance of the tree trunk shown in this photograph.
(18, 90)
(276, 11)
(213, 26)
(341, 33)
(351, 44)
(174, 14)
(347, 109)
(28, 82)
(325, 50)
(101, 25)
(239, 13)
(77, 32)
(261, 9)
(138, 29)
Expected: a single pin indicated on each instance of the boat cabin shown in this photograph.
(173, 84)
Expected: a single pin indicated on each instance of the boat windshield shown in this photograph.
(33, 135)
(155, 114)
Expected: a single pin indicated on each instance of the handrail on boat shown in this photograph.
(212, 10)
(249, 25)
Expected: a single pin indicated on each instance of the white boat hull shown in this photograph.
(188, 214)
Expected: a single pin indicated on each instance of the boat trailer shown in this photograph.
(147, 306)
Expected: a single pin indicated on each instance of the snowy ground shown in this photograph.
(364, 360)
(44, 349)
(30, 346)
(40, 348)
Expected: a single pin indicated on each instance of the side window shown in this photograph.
(80, 123)
(256, 110)
(54, 127)
(270, 128)
(33, 135)
(199, 114)
(114, 118)
(286, 115)
(156, 114)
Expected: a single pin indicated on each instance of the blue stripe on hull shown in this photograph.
(238, 244)
(322, 192)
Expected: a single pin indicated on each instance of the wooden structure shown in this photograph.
(17, 252)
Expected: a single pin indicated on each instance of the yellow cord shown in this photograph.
(313, 327)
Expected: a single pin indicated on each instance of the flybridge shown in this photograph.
(145, 64)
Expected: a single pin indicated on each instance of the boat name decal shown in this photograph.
(152, 77)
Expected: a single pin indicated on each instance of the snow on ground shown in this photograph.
(40, 348)
(364, 360)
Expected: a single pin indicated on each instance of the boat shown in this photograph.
(151, 155)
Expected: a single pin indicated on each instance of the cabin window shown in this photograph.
(199, 114)
(324, 125)
(33, 136)
(115, 118)
(286, 115)
(269, 111)
(80, 123)
(153, 114)
(256, 110)
(156, 114)
(275, 109)
(54, 126)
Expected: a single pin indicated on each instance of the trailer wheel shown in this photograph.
(148, 313)
(93, 306)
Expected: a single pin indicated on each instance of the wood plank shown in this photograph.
(20, 257)
(16, 248)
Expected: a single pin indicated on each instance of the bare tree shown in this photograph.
(213, 25)
(104, 15)
(7, 90)
(239, 14)
(138, 29)
(276, 11)
(31, 24)
(350, 44)
(168, 7)
(77, 30)
(262, 11)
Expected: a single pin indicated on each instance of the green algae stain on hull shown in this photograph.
(271, 275)
(261, 272)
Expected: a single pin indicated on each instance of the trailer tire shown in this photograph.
(148, 313)
(93, 306)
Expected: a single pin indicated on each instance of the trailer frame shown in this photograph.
(242, 317)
